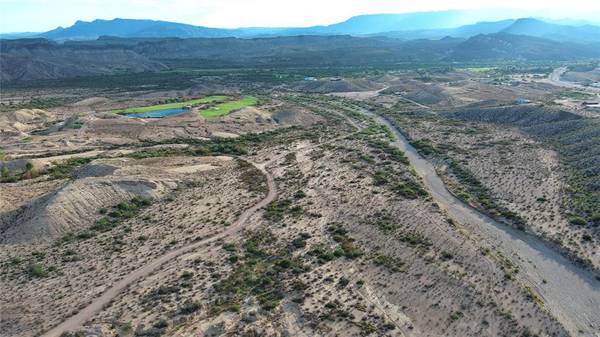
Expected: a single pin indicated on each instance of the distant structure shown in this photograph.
(335, 79)
(593, 105)
(522, 101)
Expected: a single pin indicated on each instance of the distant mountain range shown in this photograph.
(125, 46)
(36, 59)
(409, 26)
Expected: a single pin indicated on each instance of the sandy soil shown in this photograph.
(330, 226)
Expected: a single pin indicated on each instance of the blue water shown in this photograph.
(158, 113)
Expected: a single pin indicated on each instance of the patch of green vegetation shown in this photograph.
(5, 176)
(260, 273)
(76, 125)
(533, 296)
(174, 105)
(574, 138)
(383, 221)
(343, 282)
(120, 212)
(189, 307)
(290, 158)
(37, 270)
(63, 169)
(347, 246)
(415, 239)
(583, 67)
(299, 194)
(276, 210)
(392, 152)
(479, 70)
(476, 192)
(454, 316)
(388, 262)
(424, 147)
(322, 253)
(37, 103)
(251, 177)
(300, 241)
(405, 187)
(227, 107)
(409, 189)
(578, 221)
(60, 170)
(157, 329)
(576, 95)
(203, 148)
(446, 255)
(509, 268)
(114, 216)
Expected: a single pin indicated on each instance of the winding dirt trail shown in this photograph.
(76, 321)
(570, 293)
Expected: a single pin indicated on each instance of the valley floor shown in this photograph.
(306, 215)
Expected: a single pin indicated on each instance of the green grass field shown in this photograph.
(227, 107)
(479, 70)
(209, 99)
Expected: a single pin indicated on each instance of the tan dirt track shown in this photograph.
(569, 292)
(76, 321)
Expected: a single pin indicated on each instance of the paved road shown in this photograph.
(75, 322)
(572, 294)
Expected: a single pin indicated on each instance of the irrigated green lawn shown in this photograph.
(209, 99)
(227, 107)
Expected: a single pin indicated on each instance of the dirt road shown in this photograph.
(76, 321)
(554, 79)
(570, 293)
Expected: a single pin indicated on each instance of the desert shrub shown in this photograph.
(394, 265)
(424, 147)
(276, 210)
(37, 270)
(189, 307)
(456, 315)
(446, 255)
(251, 177)
(299, 194)
(4, 172)
(73, 334)
(347, 247)
(577, 221)
(63, 169)
(119, 213)
(383, 221)
(415, 239)
(343, 282)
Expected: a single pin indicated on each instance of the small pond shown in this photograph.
(158, 113)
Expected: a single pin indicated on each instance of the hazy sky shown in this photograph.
(42, 15)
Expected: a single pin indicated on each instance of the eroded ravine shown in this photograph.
(569, 292)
